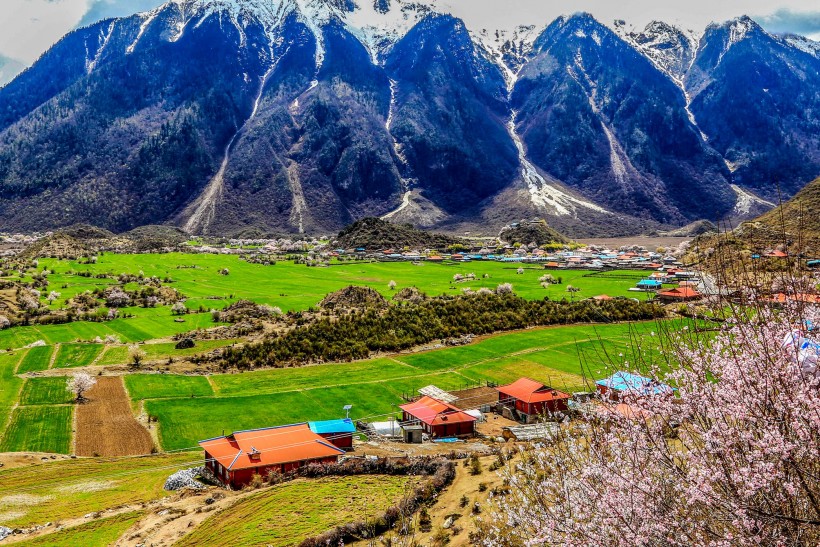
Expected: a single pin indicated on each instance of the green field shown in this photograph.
(77, 355)
(98, 533)
(288, 513)
(45, 391)
(39, 429)
(10, 385)
(159, 386)
(118, 355)
(37, 358)
(287, 285)
(564, 357)
(61, 490)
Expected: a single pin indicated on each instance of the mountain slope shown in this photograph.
(258, 116)
(597, 115)
(756, 99)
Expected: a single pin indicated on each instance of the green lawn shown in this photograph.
(97, 533)
(45, 391)
(119, 355)
(37, 358)
(39, 429)
(288, 513)
(77, 355)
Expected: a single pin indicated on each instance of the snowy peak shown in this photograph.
(668, 47)
(802, 43)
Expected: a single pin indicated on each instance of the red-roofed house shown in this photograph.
(679, 294)
(531, 398)
(439, 419)
(236, 458)
(777, 253)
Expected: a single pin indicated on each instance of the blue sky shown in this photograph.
(29, 27)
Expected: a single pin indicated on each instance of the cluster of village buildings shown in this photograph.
(431, 416)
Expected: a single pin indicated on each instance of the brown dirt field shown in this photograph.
(475, 397)
(105, 424)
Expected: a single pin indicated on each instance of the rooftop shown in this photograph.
(269, 446)
(530, 391)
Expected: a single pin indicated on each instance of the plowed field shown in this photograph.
(105, 424)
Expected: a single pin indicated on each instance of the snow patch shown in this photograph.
(148, 18)
(93, 64)
(746, 200)
(542, 193)
(405, 203)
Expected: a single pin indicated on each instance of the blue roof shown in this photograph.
(650, 282)
(345, 425)
(625, 381)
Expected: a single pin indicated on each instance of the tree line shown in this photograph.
(405, 325)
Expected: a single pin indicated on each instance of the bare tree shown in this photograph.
(391, 285)
(79, 384)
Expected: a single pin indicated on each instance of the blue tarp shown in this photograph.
(625, 381)
(345, 425)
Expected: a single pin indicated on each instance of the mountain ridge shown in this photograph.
(301, 115)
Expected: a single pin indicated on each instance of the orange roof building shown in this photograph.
(532, 398)
(437, 418)
(679, 294)
(234, 459)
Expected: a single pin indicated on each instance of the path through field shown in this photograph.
(105, 424)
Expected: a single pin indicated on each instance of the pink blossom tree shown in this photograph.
(732, 459)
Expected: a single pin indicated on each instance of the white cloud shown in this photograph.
(29, 27)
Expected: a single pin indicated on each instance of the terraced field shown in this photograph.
(39, 429)
(565, 357)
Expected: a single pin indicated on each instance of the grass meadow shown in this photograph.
(97, 533)
(288, 513)
(67, 489)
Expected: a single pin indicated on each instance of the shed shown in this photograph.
(412, 434)
(532, 399)
(437, 418)
(622, 384)
(338, 432)
(234, 459)
(540, 431)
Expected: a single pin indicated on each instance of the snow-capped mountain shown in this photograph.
(302, 115)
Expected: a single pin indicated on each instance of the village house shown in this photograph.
(678, 294)
(624, 384)
(437, 418)
(338, 432)
(234, 459)
(532, 400)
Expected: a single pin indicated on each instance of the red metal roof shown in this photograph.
(800, 297)
(680, 292)
(269, 446)
(434, 412)
(531, 391)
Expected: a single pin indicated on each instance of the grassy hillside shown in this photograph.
(797, 217)
(376, 234)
